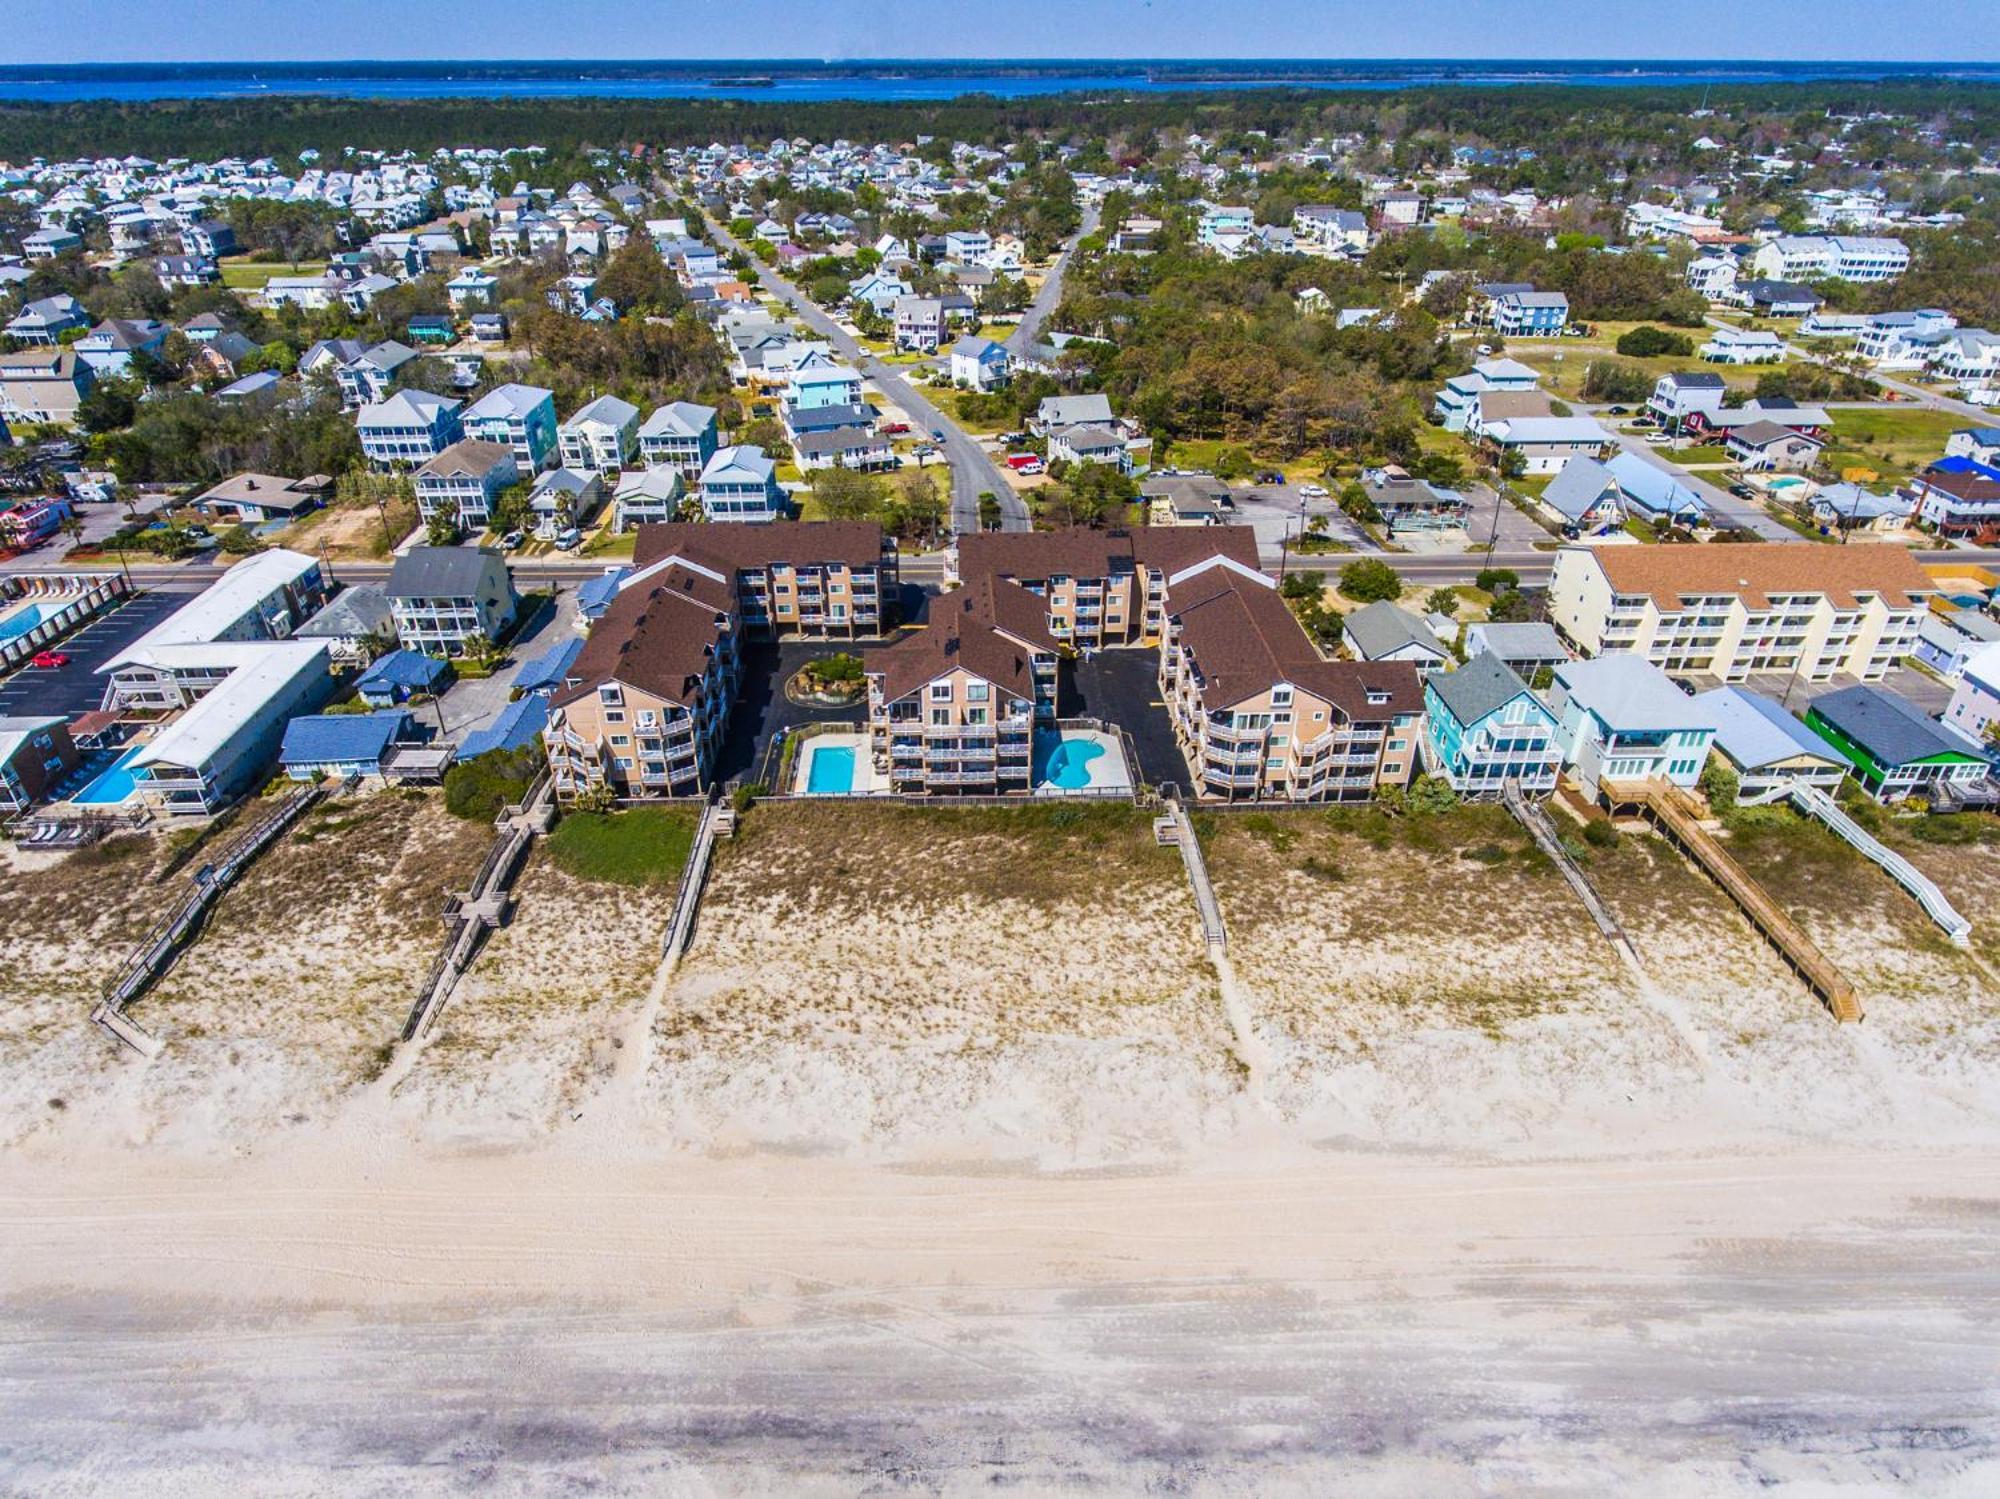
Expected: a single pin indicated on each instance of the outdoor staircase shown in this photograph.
(718, 819)
(1678, 819)
(1533, 817)
(1814, 802)
(162, 946)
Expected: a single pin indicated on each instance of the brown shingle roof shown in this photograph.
(1244, 640)
(854, 543)
(990, 627)
(1084, 553)
(1755, 570)
(469, 455)
(657, 637)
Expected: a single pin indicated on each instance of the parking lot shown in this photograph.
(1278, 511)
(1122, 687)
(76, 688)
(474, 703)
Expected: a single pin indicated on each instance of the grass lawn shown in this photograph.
(1708, 454)
(617, 547)
(639, 846)
(1564, 378)
(1892, 444)
(947, 400)
(250, 275)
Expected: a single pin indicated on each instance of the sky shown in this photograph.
(269, 30)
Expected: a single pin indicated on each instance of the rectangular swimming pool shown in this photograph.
(113, 784)
(832, 770)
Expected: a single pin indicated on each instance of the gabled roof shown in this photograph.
(508, 402)
(471, 457)
(406, 408)
(991, 628)
(1889, 728)
(441, 572)
(1579, 488)
(1484, 685)
(1628, 693)
(324, 738)
(679, 419)
(404, 668)
(1755, 732)
(1382, 628)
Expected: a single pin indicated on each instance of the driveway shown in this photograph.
(1122, 687)
(76, 688)
(473, 703)
(973, 471)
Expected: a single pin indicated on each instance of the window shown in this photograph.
(940, 692)
(941, 717)
(614, 715)
(976, 692)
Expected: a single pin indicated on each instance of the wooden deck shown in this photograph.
(1677, 817)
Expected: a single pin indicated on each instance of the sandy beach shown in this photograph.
(946, 1160)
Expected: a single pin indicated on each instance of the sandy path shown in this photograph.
(545, 1323)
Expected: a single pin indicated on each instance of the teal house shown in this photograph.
(1483, 728)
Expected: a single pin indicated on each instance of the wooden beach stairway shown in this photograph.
(162, 946)
(470, 917)
(1813, 802)
(1677, 817)
(1532, 816)
(1174, 827)
(718, 820)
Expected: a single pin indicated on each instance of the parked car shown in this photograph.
(1312, 491)
(49, 660)
(567, 539)
(512, 540)
(1620, 410)
(893, 429)
(1027, 463)
(1270, 476)
(1658, 439)
(1645, 421)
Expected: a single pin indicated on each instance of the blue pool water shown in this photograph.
(113, 784)
(1068, 764)
(832, 770)
(24, 620)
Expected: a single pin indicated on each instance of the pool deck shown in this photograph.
(867, 781)
(1108, 771)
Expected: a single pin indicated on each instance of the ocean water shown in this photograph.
(891, 81)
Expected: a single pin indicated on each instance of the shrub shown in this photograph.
(1370, 581)
(1649, 342)
(1720, 784)
(478, 788)
(1600, 834)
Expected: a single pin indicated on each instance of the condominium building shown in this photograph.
(641, 710)
(1728, 611)
(1259, 713)
(824, 578)
(952, 707)
(1802, 257)
(1099, 588)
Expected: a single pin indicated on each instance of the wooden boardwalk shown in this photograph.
(1674, 813)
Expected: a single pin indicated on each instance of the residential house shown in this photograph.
(564, 500)
(1530, 314)
(29, 522)
(1776, 298)
(42, 387)
(1484, 730)
(1187, 500)
(1259, 713)
(1543, 444)
(846, 447)
(602, 437)
(1325, 227)
(1736, 346)
(1763, 446)
(816, 380)
(952, 707)
(1974, 709)
(408, 428)
(1849, 507)
(47, 244)
(36, 756)
(1584, 496)
(1767, 747)
(344, 746)
(642, 709)
(1956, 498)
(1530, 647)
(740, 484)
(109, 347)
(252, 499)
(1678, 396)
(1621, 719)
(1980, 444)
(370, 375)
(523, 417)
(1655, 494)
(1895, 749)
(46, 320)
(1407, 503)
(1728, 611)
(830, 579)
(1817, 257)
(1384, 631)
(472, 289)
(447, 598)
(647, 496)
(979, 364)
(432, 329)
(1459, 399)
(401, 676)
(354, 625)
(463, 481)
(919, 323)
(1947, 638)
(679, 435)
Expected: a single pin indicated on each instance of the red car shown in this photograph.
(1026, 463)
(893, 429)
(48, 659)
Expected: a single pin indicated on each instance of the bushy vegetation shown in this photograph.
(638, 846)
(477, 789)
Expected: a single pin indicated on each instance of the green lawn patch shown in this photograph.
(638, 846)
(1893, 444)
(250, 275)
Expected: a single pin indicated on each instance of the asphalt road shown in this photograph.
(1038, 311)
(973, 470)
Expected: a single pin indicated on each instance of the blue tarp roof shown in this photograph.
(548, 669)
(519, 722)
(409, 669)
(342, 738)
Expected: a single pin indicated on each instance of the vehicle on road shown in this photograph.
(1312, 491)
(49, 660)
(937, 434)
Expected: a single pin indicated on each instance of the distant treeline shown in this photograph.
(284, 126)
